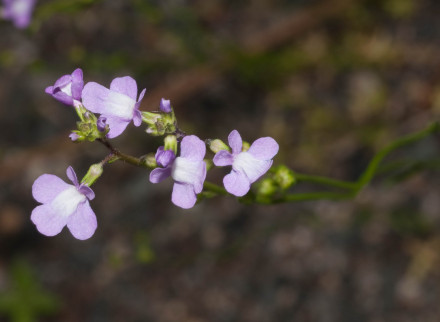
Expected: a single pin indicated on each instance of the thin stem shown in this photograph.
(325, 181)
(212, 187)
(122, 156)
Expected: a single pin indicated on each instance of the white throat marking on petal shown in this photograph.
(67, 201)
(67, 89)
(253, 168)
(185, 170)
(120, 105)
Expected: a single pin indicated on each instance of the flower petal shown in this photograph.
(264, 148)
(198, 184)
(82, 223)
(164, 158)
(235, 142)
(192, 148)
(77, 83)
(47, 187)
(223, 158)
(141, 96)
(87, 191)
(63, 81)
(94, 97)
(49, 90)
(125, 85)
(165, 105)
(159, 174)
(236, 183)
(116, 126)
(251, 167)
(72, 176)
(47, 221)
(137, 118)
(183, 195)
(62, 97)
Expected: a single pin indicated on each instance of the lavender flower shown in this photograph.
(165, 105)
(247, 166)
(63, 204)
(19, 11)
(67, 89)
(188, 170)
(117, 104)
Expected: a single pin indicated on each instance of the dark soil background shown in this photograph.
(332, 81)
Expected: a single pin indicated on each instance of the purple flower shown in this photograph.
(188, 170)
(165, 105)
(63, 204)
(117, 104)
(19, 11)
(67, 89)
(247, 166)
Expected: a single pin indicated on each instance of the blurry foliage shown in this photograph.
(26, 300)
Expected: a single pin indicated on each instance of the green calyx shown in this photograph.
(93, 174)
(159, 123)
(87, 127)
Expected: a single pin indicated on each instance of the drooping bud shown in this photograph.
(217, 145)
(93, 174)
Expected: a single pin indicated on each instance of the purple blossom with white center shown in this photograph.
(63, 204)
(165, 105)
(188, 170)
(247, 167)
(68, 88)
(19, 11)
(117, 104)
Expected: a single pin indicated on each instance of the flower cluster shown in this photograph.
(182, 157)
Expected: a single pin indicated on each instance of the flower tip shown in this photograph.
(165, 105)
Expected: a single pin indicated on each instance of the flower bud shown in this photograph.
(149, 160)
(165, 106)
(93, 174)
(217, 145)
(246, 146)
(284, 177)
(150, 118)
(170, 143)
(266, 187)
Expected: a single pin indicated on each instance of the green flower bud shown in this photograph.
(217, 145)
(93, 174)
(246, 146)
(149, 160)
(170, 143)
(266, 187)
(150, 118)
(283, 176)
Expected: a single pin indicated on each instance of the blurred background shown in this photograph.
(332, 81)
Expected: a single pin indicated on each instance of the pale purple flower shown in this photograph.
(67, 89)
(18, 11)
(117, 104)
(63, 204)
(165, 105)
(188, 170)
(247, 167)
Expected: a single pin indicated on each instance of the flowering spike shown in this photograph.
(68, 88)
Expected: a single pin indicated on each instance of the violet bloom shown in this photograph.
(117, 104)
(247, 166)
(188, 170)
(18, 11)
(67, 89)
(165, 105)
(63, 204)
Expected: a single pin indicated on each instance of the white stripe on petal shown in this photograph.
(186, 171)
(253, 168)
(67, 89)
(119, 105)
(67, 201)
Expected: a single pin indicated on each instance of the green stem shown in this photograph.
(122, 156)
(325, 181)
(372, 167)
(294, 197)
(212, 187)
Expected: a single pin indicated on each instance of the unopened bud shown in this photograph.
(93, 174)
(165, 105)
(245, 147)
(170, 143)
(149, 160)
(217, 145)
(284, 177)
(267, 187)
